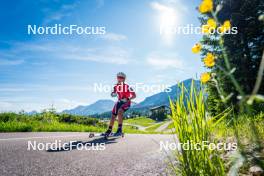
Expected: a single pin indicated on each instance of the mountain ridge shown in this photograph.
(97, 107)
(161, 98)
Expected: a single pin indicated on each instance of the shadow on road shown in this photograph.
(93, 143)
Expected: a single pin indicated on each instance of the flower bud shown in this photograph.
(261, 17)
(218, 8)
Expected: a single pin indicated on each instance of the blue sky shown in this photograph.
(39, 70)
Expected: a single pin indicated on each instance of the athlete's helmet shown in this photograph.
(121, 74)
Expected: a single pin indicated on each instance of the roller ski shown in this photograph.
(108, 134)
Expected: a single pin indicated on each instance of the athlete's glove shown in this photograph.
(113, 94)
(124, 100)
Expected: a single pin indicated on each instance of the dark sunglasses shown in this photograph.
(120, 77)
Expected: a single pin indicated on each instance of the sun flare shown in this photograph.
(167, 20)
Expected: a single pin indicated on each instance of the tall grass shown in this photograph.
(193, 125)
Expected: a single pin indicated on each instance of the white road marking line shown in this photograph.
(10, 139)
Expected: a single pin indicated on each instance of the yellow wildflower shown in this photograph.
(205, 77)
(225, 27)
(205, 29)
(211, 25)
(196, 48)
(209, 60)
(206, 6)
(211, 22)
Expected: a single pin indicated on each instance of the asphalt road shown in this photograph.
(135, 154)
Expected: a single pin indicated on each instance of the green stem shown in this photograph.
(259, 77)
(227, 63)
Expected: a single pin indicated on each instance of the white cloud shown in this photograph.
(11, 89)
(5, 105)
(47, 88)
(70, 51)
(100, 3)
(64, 11)
(178, 5)
(10, 62)
(164, 62)
(33, 103)
(161, 7)
(64, 103)
(113, 36)
(113, 55)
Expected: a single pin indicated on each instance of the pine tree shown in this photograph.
(244, 50)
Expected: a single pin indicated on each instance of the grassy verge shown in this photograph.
(154, 127)
(52, 122)
(142, 121)
(131, 129)
(16, 126)
(250, 142)
(48, 121)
